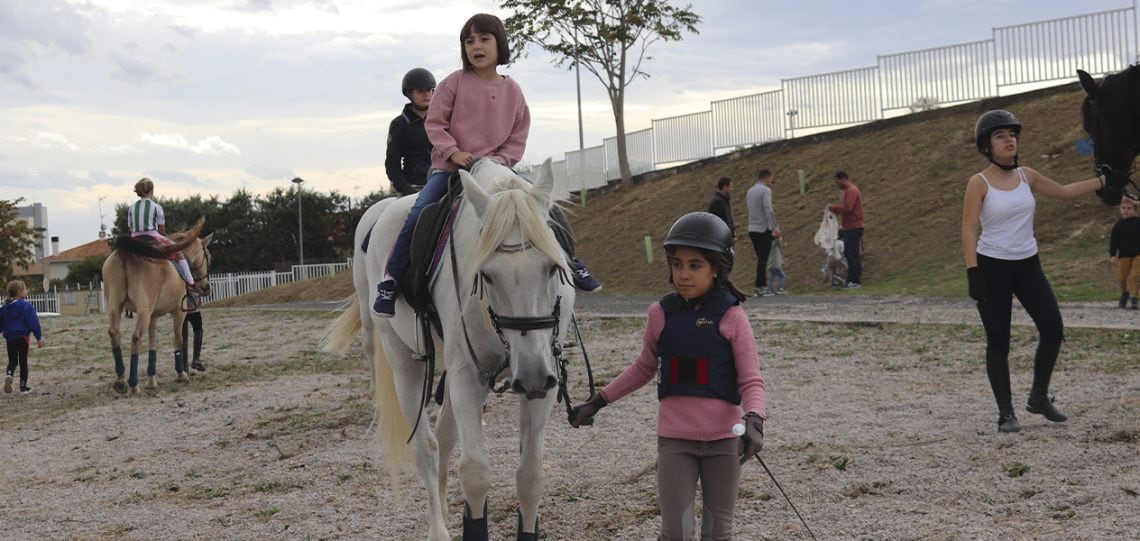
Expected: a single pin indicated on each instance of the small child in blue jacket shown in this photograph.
(19, 321)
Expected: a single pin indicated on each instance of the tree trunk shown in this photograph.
(623, 154)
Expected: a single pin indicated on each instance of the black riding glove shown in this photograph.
(753, 438)
(977, 284)
(583, 414)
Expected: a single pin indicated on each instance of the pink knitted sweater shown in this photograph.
(694, 417)
(485, 119)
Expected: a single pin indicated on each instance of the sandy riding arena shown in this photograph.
(882, 427)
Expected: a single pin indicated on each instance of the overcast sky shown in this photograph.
(208, 96)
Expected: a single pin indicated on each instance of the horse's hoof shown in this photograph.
(183, 377)
(120, 387)
(151, 382)
(134, 391)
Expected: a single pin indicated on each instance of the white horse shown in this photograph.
(502, 303)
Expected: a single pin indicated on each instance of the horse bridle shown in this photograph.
(1101, 168)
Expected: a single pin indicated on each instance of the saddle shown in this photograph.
(429, 239)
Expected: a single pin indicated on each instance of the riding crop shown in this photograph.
(738, 429)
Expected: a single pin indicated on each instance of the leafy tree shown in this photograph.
(17, 240)
(604, 36)
(86, 271)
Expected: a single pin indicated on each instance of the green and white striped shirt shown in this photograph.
(145, 215)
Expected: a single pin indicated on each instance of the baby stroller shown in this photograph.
(827, 237)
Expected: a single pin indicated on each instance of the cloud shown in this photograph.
(270, 172)
(103, 177)
(166, 176)
(210, 145)
(53, 140)
(133, 70)
(35, 29)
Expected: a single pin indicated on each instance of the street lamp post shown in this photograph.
(40, 251)
(300, 231)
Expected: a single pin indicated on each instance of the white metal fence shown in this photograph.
(1014, 59)
(222, 286)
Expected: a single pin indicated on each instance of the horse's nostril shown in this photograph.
(517, 387)
(550, 383)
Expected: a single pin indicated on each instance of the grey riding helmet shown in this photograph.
(706, 231)
(416, 78)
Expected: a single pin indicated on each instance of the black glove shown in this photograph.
(583, 414)
(753, 438)
(977, 284)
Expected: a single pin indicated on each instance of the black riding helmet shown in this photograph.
(989, 122)
(416, 78)
(706, 231)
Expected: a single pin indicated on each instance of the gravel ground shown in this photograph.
(881, 426)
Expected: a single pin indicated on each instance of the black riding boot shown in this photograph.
(1007, 421)
(198, 364)
(474, 529)
(527, 536)
(1040, 403)
(1042, 372)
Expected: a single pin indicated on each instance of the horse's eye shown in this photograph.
(486, 278)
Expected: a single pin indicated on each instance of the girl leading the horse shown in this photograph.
(699, 346)
(1002, 261)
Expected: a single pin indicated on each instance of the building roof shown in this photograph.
(81, 252)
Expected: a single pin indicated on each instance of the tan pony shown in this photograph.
(138, 276)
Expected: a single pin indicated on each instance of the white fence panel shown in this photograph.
(683, 137)
(1098, 43)
(832, 99)
(950, 74)
(748, 120)
(638, 149)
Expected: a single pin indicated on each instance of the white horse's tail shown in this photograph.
(394, 428)
(386, 412)
(339, 334)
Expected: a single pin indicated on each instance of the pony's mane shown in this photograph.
(512, 206)
(127, 245)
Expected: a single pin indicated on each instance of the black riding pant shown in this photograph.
(1025, 280)
(18, 354)
(192, 319)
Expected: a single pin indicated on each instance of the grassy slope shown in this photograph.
(912, 172)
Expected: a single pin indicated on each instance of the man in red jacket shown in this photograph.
(850, 228)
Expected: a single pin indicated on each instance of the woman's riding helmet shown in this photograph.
(705, 231)
(417, 78)
(989, 122)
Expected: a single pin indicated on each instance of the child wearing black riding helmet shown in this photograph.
(699, 346)
(1002, 261)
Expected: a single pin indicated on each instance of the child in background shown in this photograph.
(1124, 250)
(19, 321)
(776, 269)
(146, 219)
(699, 347)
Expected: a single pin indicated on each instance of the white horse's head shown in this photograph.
(523, 270)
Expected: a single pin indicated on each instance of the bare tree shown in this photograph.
(607, 37)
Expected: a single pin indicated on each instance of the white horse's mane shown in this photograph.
(511, 205)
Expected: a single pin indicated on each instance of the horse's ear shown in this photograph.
(1089, 84)
(206, 240)
(544, 185)
(474, 192)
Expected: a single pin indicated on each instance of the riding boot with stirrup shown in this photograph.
(1007, 421)
(527, 536)
(474, 529)
(1040, 403)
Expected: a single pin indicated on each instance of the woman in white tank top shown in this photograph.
(1002, 261)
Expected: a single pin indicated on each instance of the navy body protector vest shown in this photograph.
(692, 357)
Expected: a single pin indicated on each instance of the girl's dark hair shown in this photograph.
(485, 23)
(719, 261)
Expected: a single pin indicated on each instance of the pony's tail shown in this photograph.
(386, 412)
(339, 334)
